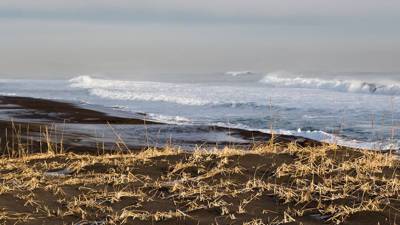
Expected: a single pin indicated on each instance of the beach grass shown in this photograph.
(268, 184)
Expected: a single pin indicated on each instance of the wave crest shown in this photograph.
(183, 94)
(281, 79)
(239, 73)
(133, 90)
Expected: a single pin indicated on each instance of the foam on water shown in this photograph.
(7, 94)
(170, 119)
(323, 137)
(282, 79)
(184, 94)
(239, 73)
(223, 95)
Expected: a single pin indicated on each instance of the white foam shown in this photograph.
(284, 79)
(223, 96)
(239, 73)
(7, 94)
(169, 119)
(323, 137)
(135, 90)
(184, 94)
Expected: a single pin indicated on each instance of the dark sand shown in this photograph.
(201, 189)
(60, 112)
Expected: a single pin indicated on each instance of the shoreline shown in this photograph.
(29, 116)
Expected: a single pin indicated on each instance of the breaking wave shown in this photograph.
(183, 94)
(282, 79)
(239, 73)
(134, 90)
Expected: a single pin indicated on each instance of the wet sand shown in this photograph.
(60, 112)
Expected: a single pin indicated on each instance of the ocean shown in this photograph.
(355, 110)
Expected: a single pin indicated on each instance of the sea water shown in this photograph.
(357, 110)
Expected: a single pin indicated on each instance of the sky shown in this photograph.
(66, 38)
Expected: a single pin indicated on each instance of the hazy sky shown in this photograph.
(64, 38)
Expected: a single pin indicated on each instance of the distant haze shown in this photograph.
(65, 38)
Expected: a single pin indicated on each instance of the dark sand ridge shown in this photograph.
(55, 111)
(31, 115)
